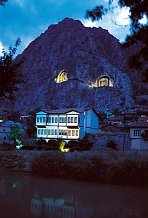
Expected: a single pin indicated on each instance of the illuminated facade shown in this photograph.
(69, 124)
(103, 81)
(61, 77)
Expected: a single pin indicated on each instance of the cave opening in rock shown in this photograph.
(61, 77)
(103, 81)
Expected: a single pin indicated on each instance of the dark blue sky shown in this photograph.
(28, 18)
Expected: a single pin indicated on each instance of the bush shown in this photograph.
(125, 170)
(112, 145)
(85, 144)
(51, 164)
(73, 145)
(7, 147)
(80, 145)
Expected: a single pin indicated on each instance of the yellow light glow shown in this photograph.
(62, 77)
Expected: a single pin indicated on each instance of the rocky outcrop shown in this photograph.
(85, 54)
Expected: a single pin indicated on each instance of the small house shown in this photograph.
(138, 132)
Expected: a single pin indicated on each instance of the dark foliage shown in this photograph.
(73, 145)
(96, 13)
(80, 145)
(145, 135)
(7, 147)
(8, 72)
(49, 164)
(112, 145)
(139, 32)
(125, 171)
(2, 2)
(50, 145)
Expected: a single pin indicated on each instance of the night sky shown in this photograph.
(28, 18)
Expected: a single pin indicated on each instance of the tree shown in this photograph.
(8, 71)
(16, 135)
(2, 2)
(138, 33)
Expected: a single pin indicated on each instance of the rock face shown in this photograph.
(86, 54)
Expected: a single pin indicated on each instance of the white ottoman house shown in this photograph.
(67, 124)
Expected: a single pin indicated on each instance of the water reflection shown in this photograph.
(58, 208)
(29, 197)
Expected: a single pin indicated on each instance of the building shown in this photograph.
(138, 132)
(68, 124)
(5, 131)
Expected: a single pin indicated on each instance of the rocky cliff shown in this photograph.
(90, 57)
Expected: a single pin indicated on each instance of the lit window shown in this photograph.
(75, 120)
(49, 119)
(77, 132)
(72, 119)
(42, 131)
(45, 132)
(69, 132)
(39, 131)
(48, 131)
(52, 132)
(137, 132)
(52, 119)
(62, 120)
(44, 119)
(62, 77)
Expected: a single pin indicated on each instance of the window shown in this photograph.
(137, 132)
(38, 120)
(49, 119)
(45, 132)
(68, 119)
(77, 132)
(44, 119)
(52, 119)
(42, 131)
(72, 119)
(62, 119)
(52, 132)
(56, 132)
(75, 120)
(73, 132)
(56, 119)
(48, 131)
(39, 131)
(69, 132)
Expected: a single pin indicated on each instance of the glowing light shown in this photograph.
(101, 82)
(62, 77)
(61, 147)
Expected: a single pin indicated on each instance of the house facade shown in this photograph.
(138, 132)
(5, 130)
(68, 124)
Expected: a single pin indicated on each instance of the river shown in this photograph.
(26, 196)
